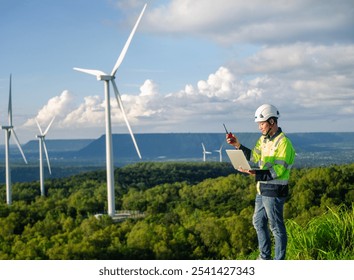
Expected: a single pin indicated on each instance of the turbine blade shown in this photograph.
(120, 104)
(46, 155)
(19, 145)
(203, 147)
(90, 71)
(39, 127)
(127, 43)
(46, 131)
(9, 112)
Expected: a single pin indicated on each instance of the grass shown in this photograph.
(326, 237)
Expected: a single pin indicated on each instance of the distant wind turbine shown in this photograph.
(220, 152)
(8, 130)
(42, 145)
(101, 76)
(205, 152)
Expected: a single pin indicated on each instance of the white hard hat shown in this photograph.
(266, 111)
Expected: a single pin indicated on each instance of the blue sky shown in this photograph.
(192, 64)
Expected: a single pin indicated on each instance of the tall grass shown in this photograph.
(326, 237)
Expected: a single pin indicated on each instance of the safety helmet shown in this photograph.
(265, 112)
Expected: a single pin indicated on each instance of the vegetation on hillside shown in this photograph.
(192, 211)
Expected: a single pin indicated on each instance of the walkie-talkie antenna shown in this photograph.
(225, 128)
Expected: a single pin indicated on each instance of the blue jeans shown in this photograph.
(270, 210)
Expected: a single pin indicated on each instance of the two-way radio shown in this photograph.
(229, 135)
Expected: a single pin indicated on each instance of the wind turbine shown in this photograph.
(220, 152)
(8, 130)
(106, 78)
(42, 145)
(205, 152)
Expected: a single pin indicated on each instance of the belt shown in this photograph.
(272, 190)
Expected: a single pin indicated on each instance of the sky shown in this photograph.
(192, 65)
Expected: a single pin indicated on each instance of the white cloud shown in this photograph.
(142, 106)
(306, 75)
(90, 113)
(58, 106)
(148, 88)
(221, 97)
(219, 84)
(255, 21)
(317, 59)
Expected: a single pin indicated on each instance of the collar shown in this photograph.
(270, 138)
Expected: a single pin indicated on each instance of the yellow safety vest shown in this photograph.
(275, 154)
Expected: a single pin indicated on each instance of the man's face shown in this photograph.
(264, 127)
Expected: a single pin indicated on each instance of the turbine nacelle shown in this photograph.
(7, 127)
(105, 78)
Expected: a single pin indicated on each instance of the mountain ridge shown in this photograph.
(185, 146)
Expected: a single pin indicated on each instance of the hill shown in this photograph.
(164, 146)
(189, 211)
(58, 145)
(313, 149)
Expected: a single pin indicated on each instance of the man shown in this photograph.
(275, 156)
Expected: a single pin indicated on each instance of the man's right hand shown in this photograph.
(232, 140)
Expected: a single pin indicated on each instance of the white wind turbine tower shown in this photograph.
(8, 130)
(220, 153)
(42, 145)
(106, 78)
(205, 152)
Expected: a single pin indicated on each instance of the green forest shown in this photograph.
(186, 211)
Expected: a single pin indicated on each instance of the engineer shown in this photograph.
(274, 154)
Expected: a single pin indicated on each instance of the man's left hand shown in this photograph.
(249, 172)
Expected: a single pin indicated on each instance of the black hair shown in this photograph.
(275, 120)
